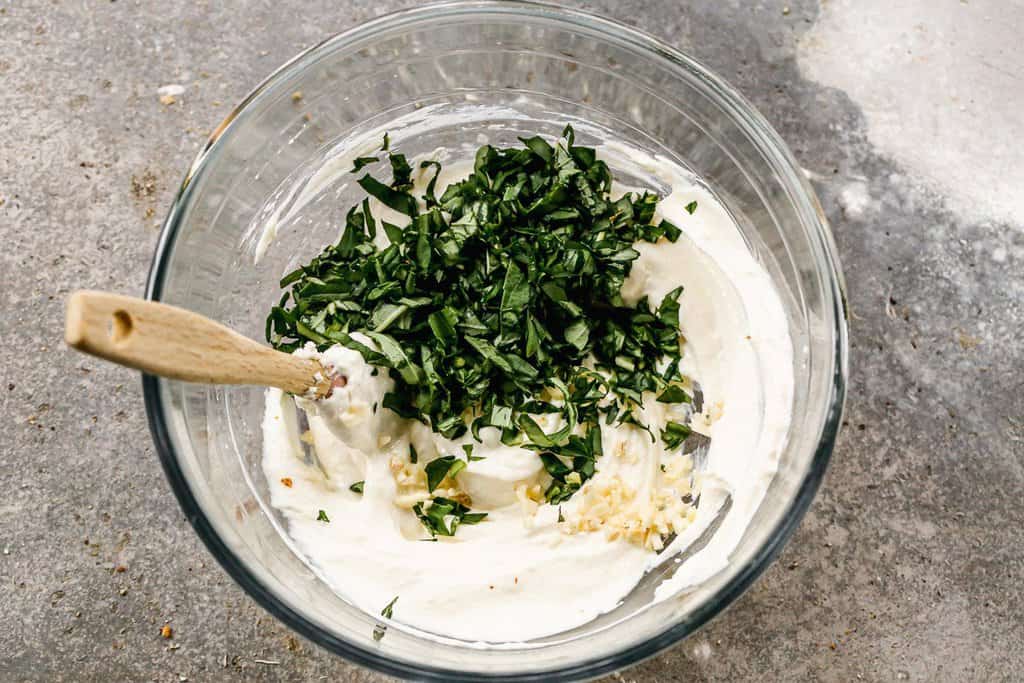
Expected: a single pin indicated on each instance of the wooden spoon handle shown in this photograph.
(173, 342)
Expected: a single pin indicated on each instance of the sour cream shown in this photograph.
(531, 569)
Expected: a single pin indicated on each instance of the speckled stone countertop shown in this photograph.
(906, 118)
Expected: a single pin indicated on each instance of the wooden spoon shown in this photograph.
(172, 342)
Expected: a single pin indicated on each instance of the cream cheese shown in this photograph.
(522, 573)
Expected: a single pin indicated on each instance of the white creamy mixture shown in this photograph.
(521, 573)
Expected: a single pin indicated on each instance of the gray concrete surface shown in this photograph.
(908, 566)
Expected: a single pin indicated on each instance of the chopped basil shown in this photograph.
(443, 516)
(401, 172)
(668, 311)
(674, 434)
(438, 469)
(322, 517)
(380, 629)
(357, 487)
(691, 207)
(388, 610)
(358, 164)
(400, 201)
(571, 465)
(673, 394)
(670, 231)
(487, 302)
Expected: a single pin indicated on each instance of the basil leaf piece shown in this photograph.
(385, 314)
(393, 232)
(401, 172)
(429, 196)
(443, 516)
(360, 162)
(439, 468)
(442, 324)
(670, 231)
(515, 294)
(674, 434)
(403, 202)
(397, 358)
(673, 394)
(668, 311)
(501, 416)
(577, 334)
(534, 432)
(423, 249)
(489, 352)
(539, 146)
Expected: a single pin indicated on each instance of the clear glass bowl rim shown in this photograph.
(799, 191)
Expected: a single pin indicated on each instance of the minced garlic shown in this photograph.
(613, 506)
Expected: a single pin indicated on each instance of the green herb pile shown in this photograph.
(486, 305)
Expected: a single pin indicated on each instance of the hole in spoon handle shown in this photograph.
(120, 326)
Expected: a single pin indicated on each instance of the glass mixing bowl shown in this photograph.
(443, 75)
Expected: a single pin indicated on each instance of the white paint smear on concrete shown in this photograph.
(941, 83)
